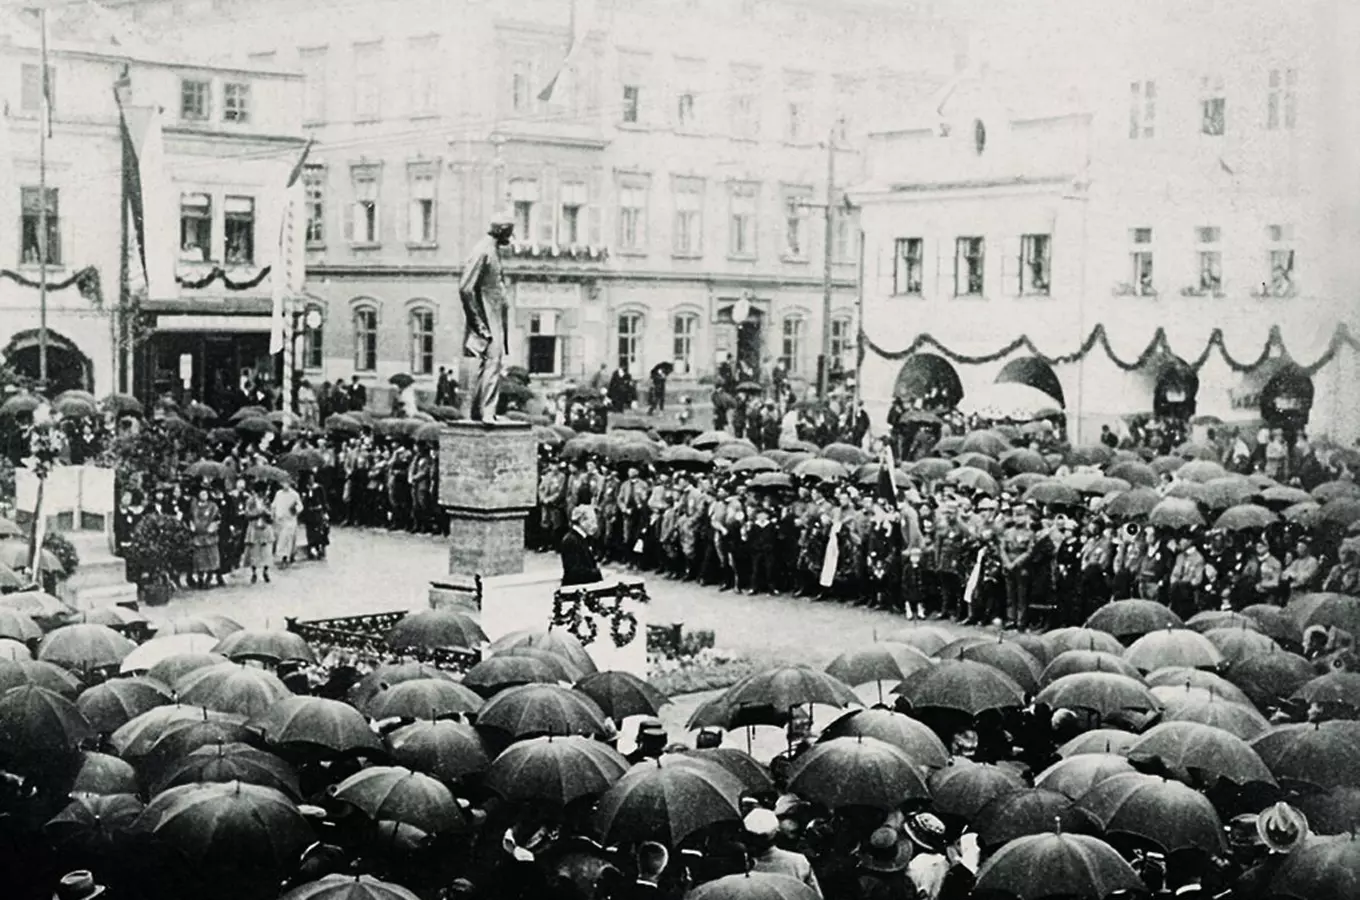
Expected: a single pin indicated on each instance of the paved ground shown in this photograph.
(377, 571)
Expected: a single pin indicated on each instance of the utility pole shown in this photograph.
(43, 126)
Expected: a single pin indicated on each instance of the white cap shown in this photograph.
(761, 822)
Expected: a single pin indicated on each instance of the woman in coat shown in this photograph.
(259, 532)
(316, 519)
(205, 517)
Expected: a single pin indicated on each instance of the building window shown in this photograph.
(524, 196)
(795, 226)
(421, 325)
(796, 124)
(366, 339)
(521, 86)
(1280, 99)
(30, 227)
(685, 329)
(844, 236)
(236, 102)
(31, 88)
(1213, 107)
(630, 341)
(195, 100)
(969, 260)
(791, 347)
(421, 214)
(238, 227)
(1035, 263)
(632, 103)
(195, 227)
(424, 62)
(746, 103)
(843, 344)
(544, 356)
(573, 203)
(312, 342)
(1210, 260)
(313, 65)
(1281, 260)
(689, 205)
(632, 217)
(364, 223)
(684, 110)
(1141, 258)
(1142, 109)
(367, 86)
(909, 262)
(314, 183)
(742, 233)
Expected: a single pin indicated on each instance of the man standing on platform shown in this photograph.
(485, 305)
(578, 560)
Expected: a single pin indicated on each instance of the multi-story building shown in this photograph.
(667, 178)
(229, 139)
(1128, 215)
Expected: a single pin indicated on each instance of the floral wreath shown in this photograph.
(577, 612)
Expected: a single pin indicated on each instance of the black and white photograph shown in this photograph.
(680, 449)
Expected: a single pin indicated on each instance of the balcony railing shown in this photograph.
(547, 252)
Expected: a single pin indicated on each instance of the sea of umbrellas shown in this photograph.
(216, 761)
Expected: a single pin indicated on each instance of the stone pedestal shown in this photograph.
(488, 485)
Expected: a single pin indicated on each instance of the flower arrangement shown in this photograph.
(160, 546)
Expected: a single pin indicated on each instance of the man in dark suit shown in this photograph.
(578, 560)
(652, 861)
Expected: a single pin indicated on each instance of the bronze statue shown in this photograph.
(485, 308)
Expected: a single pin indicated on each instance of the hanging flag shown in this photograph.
(582, 20)
(46, 77)
(288, 272)
(150, 197)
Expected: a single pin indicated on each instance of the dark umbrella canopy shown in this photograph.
(754, 777)
(389, 674)
(1129, 619)
(1105, 693)
(101, 773)
(964, 788)
(1324, 868)
(423, 698)
(877, 662)
(446, 749)
(1057, 865)
(1325, 755)
(1098, 740)
(349, 887)
(1238, 720)
(1189, 751)
(112, 704)
(17, 673)
(1167, 813)
(1075, 662)
(907, 734)
(267, 645)
(1074, 776)
(94, 824)
(1028, 812)
(754, 886)
(857, 772)
(667, 803)
(84, 646)
(37, 724)
(1271, 678)
(1061, 640)
(317, 723)
(396, 794)
(622, 694)
(436, 628)
(1173, 647)
(1004, 656)
(1209, 682)
(232, 688)
(221, 763)
(555, 770)
(542, 709)
(967, 687)
(790, 686)
(495, 673)
(555, 640)
(145, 735)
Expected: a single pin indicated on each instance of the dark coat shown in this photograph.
(578, 561)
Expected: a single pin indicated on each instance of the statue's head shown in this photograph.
(502, 227)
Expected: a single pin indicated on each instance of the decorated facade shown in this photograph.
(1146, 243)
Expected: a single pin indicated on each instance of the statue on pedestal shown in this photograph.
(486, 304)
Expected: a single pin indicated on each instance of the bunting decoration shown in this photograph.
(85, 280)
(220, 274)
(1159, 346)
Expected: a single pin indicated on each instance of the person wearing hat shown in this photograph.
(1281, 829)
(651, 741)
(882, 867)
(79, 885)
(937, 868)
(761, 830)
(485, 307)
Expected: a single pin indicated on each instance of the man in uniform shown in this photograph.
(1017, 542)
(485, 307)
(632, 503)
(1187, 577)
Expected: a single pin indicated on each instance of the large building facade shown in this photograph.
(678, 168)
(1128, 217)
(228, 135)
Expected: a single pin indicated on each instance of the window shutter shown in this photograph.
(1010, 266)
(349, 222)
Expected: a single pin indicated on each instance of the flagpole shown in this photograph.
(42, 203)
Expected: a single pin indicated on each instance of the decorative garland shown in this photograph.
(1159, 345)
(85, 280)
(219, 274)
(578, 610)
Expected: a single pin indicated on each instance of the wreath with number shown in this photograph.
(623, 627)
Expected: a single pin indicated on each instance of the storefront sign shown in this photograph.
(235, 324)
(547, 295)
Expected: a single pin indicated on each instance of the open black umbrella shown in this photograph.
(667, 803)
(857, 772)
(555, 770)
(1057, 865)
(1167, 813)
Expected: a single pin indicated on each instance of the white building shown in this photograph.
(231, 136)
(1128, 209)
